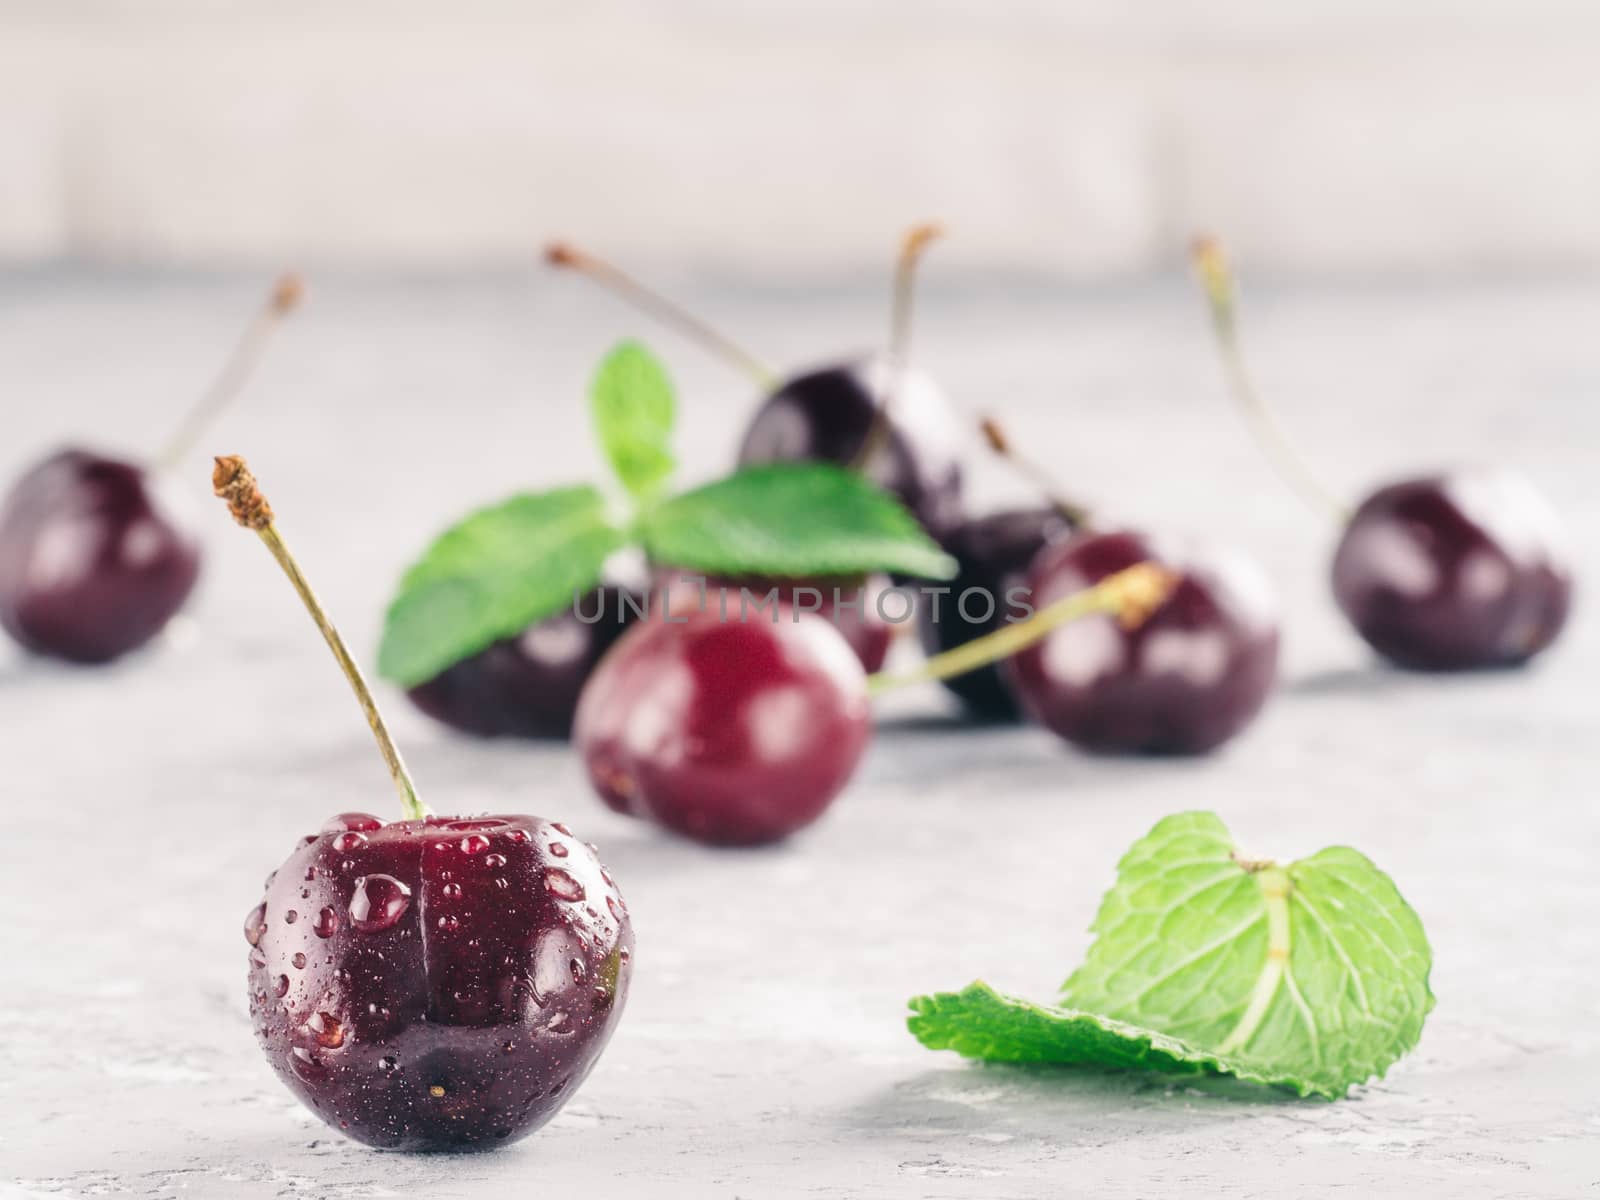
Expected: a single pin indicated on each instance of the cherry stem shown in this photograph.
(916, 241)
(247, 354)
(232, 480)
(1211, 264)
(1075, 514)
(618, 282)
(1132, 595)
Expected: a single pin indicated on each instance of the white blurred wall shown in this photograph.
(1064, 136)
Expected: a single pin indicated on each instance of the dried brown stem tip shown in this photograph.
(1140, 591)
(561, 254)
(995, 436)
(918, 237)
(231, 479)
(289, 291)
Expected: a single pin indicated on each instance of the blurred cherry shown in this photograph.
(1191, 676)
(873, 412)
(93, 559)
(729, 731)
(528, 686)
(1447, 571)
(993, 554)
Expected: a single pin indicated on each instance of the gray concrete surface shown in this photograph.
(763, 1053)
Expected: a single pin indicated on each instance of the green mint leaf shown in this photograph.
(1312, 976)
(791, 520)
(493, 575)
(634, 412)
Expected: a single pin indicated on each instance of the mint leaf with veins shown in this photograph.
(1312, 976)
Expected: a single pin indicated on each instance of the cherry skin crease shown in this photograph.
(827, 414)
(993, 554)
(434, 984)
(92, 563)
(728, 732)
(1190, 677)
(1454, 572)
(528, 686)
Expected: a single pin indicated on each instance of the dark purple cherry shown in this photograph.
(1455, 571)
(730, 732)
(853, 606)
(1446, 572)
(433, 982)
(1187, 679)
(875, 413)
(829, 413)
(93, 563)
(528, 686)
(93, 560)
(993, 554)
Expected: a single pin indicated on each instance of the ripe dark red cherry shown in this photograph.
(528, 686)
(1183, 682)
(730, 732)
(434, 983)
(1445, 572)
(93, 564)
(828, 414)
(993, 554)
(1457, 571)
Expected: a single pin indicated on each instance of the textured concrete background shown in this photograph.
(763, 1052)
(1082, 137)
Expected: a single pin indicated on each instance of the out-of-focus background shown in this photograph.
(1078, 138)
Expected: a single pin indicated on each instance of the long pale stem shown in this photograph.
(615, 280)
(236, 371)
(917, 239)
(233, 481)
(1217, 280)
(1132, 595)
(1075, 514)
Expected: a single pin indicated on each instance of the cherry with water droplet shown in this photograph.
(95, 560)
(1193, 674)
(457, 980)
(1451, 571)
(875, 413)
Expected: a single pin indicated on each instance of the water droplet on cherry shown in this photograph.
(378, 902)
(562, 884)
